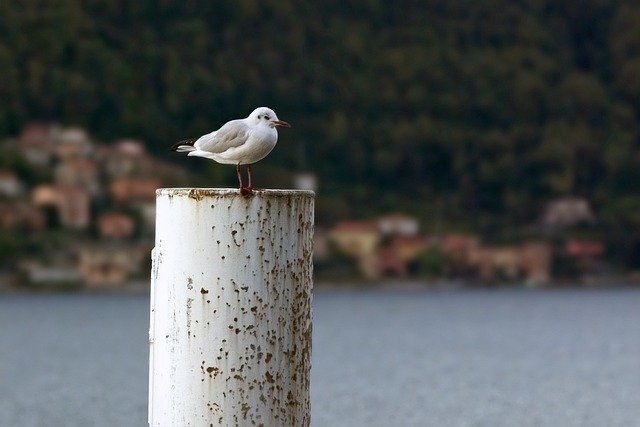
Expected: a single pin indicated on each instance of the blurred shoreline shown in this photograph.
(142, 287)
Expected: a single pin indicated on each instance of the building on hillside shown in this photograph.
(72, 204)
(395, 258)
(10, 184)
(568, 212)
(389, 265)
(44, 195)
(110, 266)
(459, 248)
(74, 207)
(398, 224)
(497, 263)
(37, 273)
(21, 216)
(536, 259)
(129, 158)
(584, 249)
(134, 189)
(124, 158)
(530, 261)
(408, 247)
(129, 147)
(37, 142)
(381, 248)
(359, 240)
(355, 238)
(73, 143)
(79, 172)
(588, 257)
(113, 225)
(40, 131)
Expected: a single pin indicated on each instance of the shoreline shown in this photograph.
(142, 287)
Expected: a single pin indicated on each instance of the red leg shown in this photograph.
(245, 191)
(250, 187)
(239, 175)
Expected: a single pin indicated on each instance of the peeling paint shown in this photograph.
(197, 194)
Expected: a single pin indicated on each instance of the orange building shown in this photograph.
(134, 189)
(115, 226)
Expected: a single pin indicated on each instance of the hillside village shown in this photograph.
(79, 213)
(88, 215)
(392, 247)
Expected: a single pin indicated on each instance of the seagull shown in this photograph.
(239, 142)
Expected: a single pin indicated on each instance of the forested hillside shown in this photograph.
(467, 112)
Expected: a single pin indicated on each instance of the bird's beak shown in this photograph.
(281, 123)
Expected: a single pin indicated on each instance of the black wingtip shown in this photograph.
(190, 142)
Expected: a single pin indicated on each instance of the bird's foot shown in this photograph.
(246, 191)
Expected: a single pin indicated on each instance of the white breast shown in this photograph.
(259, 143)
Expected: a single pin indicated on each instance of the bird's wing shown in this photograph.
(231, 134)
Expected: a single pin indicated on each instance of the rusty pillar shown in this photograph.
(230, 326)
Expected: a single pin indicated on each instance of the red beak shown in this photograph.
(281, 123)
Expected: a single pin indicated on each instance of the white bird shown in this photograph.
(239, 142)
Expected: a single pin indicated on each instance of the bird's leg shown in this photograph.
(245, 191)
(250, 187)
(239, 176)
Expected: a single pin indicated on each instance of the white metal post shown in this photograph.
(230, 327)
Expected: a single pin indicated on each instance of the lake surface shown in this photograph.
(380, 358)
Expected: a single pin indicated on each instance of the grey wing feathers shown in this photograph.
(232, 134)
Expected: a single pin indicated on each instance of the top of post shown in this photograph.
(200, 193)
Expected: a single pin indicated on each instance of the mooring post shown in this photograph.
(230, 326)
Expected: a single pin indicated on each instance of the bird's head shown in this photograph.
(266, 116)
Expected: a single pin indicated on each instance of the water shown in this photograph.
(380, 358)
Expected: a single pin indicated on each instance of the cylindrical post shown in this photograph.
(230, 327)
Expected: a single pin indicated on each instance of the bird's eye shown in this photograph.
(267, 117)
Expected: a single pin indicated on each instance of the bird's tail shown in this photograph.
(184, 145)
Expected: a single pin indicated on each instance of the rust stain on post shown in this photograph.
(233, 347)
